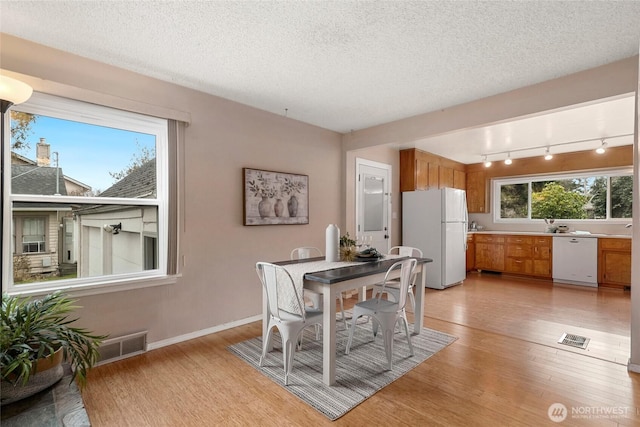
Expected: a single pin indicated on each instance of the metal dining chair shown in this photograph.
(384, 313)
(393, 286)
(305, 252)
(287, 312)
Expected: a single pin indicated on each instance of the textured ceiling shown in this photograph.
(343, 65)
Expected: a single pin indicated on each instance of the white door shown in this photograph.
(373, 203)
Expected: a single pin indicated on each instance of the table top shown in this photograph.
(349, 272)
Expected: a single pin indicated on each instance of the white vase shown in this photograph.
(332, 240)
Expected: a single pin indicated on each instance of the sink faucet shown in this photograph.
(628, 226)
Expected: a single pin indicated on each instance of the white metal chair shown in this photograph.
(316, 298)
(385, 313)
(287, 312)
(393, 286)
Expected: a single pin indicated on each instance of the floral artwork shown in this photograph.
(272, 198)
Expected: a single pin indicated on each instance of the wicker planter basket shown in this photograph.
(48, 372)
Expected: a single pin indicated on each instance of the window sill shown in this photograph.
(97, 288)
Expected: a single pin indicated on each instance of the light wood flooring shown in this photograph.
(505, 369)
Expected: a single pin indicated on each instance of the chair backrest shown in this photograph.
(407, 267)
(282, 292)
(407, 251)
(305, 252)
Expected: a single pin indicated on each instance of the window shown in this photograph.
(33, 236)
(88, 195)
(601, 196)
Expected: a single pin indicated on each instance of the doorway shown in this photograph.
(373, 204)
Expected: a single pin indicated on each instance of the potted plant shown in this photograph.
(36, 334)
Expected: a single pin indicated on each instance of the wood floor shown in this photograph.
(505, 369)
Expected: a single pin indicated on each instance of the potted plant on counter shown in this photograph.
(35, 338)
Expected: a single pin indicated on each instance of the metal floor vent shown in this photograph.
(574, 340)
(122, 347)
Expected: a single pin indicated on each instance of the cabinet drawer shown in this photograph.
(470, 238)
(489, 238)
(519, 250)
(542, 241)
(620, 244)
(519, 265)
(526, 240)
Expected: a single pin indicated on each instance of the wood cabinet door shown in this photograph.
(542, 267)
(616, 267)
(476, 192)
(471, 256)
(459, 179)
(434, 176)
(446, 177)
(489, 256)
(422, 174)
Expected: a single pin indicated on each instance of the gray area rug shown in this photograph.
(359, 374)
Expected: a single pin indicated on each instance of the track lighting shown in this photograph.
(487, 163)
(508, 160)
(602, 148)
(548, 155)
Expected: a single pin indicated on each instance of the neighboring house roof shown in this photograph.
(139, 184)
(29, 179)
(21, 160)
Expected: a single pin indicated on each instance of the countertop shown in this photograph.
(536, 233)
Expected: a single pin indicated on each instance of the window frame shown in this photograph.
(497, 183)
(79, 111)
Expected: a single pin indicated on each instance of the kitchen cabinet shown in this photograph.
(529, 255)
(471, 252)
(614, 262)
(476, 192)
(420, 170)
(445, 177)
(489, 252)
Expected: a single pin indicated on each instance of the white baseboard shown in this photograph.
(633, 367)
(201, 333)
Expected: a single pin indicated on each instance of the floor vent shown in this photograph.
(574, 340)
(122, 347)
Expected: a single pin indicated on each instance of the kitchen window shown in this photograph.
(88, 197)
(598, 196)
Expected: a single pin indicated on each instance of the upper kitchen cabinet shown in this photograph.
(420, 170)
(476, 192)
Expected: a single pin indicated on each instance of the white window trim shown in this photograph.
(67, 109)
(497, 182)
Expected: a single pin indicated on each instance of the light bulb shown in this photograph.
(548, 156)
(602, 149)
(508, 161)
(487, 163)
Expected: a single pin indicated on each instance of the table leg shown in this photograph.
(329, 336)
(418, 313)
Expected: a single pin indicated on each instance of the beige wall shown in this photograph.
(218, 284)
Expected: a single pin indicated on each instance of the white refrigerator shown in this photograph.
(435, 221)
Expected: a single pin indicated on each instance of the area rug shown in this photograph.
(359, 374)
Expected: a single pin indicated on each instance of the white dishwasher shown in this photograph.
(575, 260)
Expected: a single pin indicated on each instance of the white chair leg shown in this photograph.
(388, 345)
(406, 330)
(287, 357)
(354, 318)
(412, 301)
(265, 346)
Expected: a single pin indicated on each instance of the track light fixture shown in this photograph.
(547, 149)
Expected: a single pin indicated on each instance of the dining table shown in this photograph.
(332, 278)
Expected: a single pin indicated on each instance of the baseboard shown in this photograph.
(633, 367)
(201, 333)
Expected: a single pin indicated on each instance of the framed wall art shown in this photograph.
(275, 198)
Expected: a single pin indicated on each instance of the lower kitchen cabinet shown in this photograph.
(489, 252)
(515, 254)
(614, 262)
(471, 252)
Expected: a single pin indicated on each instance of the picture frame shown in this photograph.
(275, 198)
